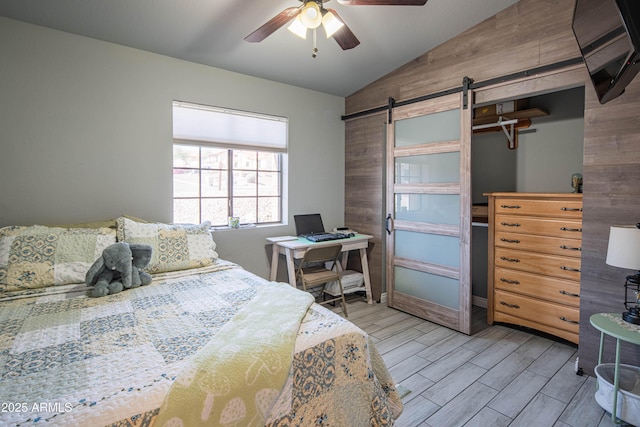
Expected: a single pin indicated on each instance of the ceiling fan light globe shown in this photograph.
(298, 28)
(310, 15)
(331, 24)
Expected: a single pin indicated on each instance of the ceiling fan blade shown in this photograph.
(383, 2)
(344, 36)
(273, 24)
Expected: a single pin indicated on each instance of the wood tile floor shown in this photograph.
(498, 376)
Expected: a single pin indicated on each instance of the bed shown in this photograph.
(205, 343)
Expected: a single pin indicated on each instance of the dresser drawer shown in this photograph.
(574, 337)
(570, 229)
(544, 244)
(543, 312)
(543, 287)
(540, 207)
(532, 262)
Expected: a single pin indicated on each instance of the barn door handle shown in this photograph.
(390, 225)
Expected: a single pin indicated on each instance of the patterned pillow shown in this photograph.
(175, 247)
(38, 256)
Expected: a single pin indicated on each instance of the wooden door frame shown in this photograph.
(537, 84)
(552, 81)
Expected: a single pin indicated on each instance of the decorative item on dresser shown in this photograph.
(535, 244)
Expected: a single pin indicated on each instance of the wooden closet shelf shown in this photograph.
(521, 114)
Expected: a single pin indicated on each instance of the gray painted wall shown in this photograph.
(86, 134)
(547, 154)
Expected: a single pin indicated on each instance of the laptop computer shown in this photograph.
(310, 227)
(308, 224)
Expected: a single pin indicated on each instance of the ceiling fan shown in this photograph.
(312, 13)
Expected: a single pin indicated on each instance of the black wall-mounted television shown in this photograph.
(608, 32)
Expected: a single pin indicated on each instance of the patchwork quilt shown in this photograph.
(66, 359)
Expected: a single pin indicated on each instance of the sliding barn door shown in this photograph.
(428, 202)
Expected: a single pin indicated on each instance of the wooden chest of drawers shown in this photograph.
(535, 244)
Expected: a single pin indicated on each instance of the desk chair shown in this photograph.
(312, 272)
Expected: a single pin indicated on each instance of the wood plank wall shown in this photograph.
(611, 169)
(529, 34)
(364, 190)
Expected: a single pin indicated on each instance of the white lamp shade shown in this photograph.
(624, 247)
(331, 24)
(298, 28)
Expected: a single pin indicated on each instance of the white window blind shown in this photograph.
(231, 128)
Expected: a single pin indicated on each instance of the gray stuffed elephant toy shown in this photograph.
(140, 258)
(120, 267)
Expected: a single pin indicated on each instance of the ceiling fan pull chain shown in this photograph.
(315, 49)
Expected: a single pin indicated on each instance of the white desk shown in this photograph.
(294, 248)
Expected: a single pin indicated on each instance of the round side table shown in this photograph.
(612, 324)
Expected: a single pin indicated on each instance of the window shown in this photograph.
(227, 163)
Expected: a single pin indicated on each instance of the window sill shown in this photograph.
(245, 226)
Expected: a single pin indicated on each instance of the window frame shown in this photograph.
(280, 151)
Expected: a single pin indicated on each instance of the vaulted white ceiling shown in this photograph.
(212, 32)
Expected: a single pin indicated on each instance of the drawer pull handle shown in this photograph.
(509, 305)
(570, 269)
(571, 209)
(569, 294)
(510, 206)
(511, 282)
(569, 248)
(564, 319)
(506, 224)
(509, 240)
(579, 230)
(504, 258)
